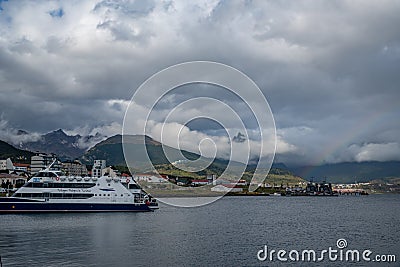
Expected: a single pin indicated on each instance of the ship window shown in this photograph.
(122, 195)
(68, 195)
(108, 194)
(31, 195)
(54, 195)
(36, 185)
(46, 174)
(83, 185)
(70, 185)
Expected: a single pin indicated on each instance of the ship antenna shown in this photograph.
(48, 167)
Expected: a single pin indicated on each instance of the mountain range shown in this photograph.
(58, 142)
(349, 172)
(164, 158)
(75, 147)
(111, 150)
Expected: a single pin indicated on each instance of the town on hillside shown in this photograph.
(13, 175)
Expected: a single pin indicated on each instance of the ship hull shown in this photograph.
(14, 205)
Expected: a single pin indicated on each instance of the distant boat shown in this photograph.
(51, 191)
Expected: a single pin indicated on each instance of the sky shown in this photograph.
(330, 70)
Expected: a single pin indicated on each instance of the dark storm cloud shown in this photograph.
(329, 69)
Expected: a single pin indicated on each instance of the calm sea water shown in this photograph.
(228, 232)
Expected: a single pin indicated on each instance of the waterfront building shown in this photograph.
(242, 182)
(6, 165)
(226, 188)
(98, 166)
(211, 178)
(41, 161)
(74, 168)
(200, 182)
(21, 167)
(150, 178)
(10, 181)
(221, 181)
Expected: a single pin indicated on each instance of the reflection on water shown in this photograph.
(228, 232)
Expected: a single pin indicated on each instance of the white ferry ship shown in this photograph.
(52, 191)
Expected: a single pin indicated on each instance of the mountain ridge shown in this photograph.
(111, 150)
(59, 143)
(349, 172)
(70, 147)
(15, 154)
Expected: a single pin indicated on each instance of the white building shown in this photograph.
(98, 166)
(226, 188)
(75, 168)
(6, 165)
(221, 181)
(21, 167)
(150, 178)
(42, 161)
(200, 182)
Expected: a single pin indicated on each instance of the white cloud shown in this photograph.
(376, 152)
(323, 66)
(15, 137)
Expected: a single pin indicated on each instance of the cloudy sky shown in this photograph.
(330, 70)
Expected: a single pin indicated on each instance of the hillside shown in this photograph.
(111, 150)
(16, 155)
(349, 172)
(69, 147)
